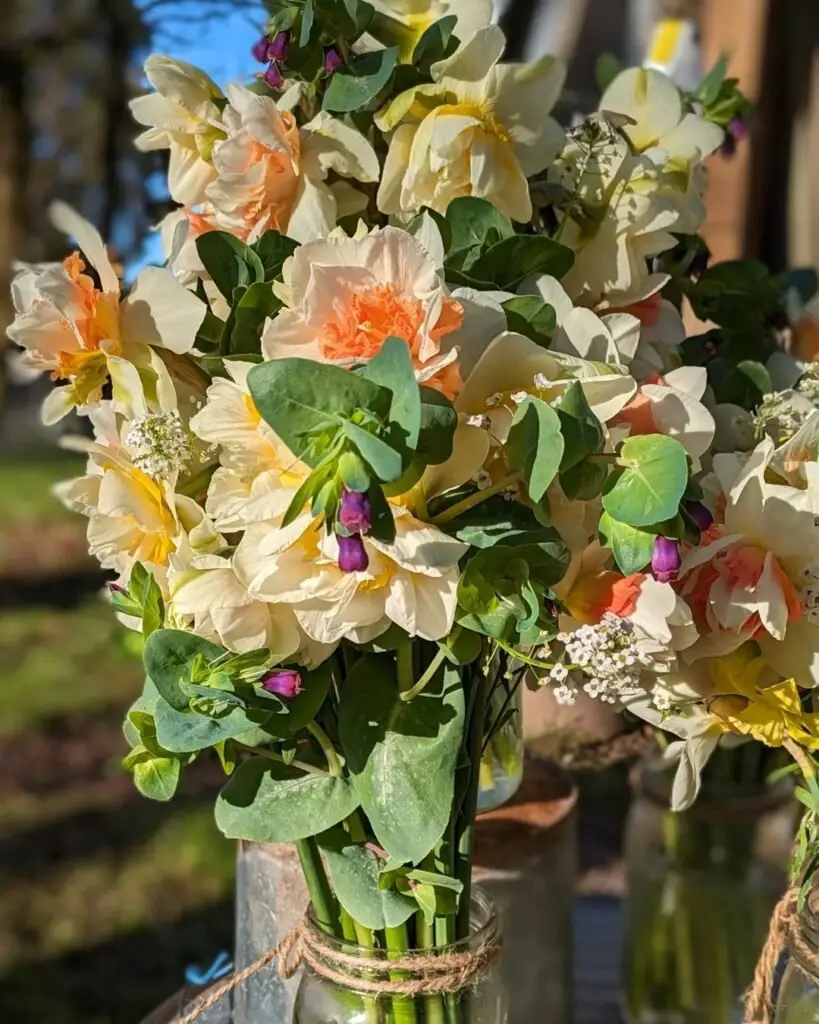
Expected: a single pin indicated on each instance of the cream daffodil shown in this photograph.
(409, 19)
(343, 297)
(412, 582)
(83, 334)
(755, 576)
(480, 129)
(184, 116)
(258, 474)
(272, 174)
(615, 220)
(658, 125)
(671, 405)
(133, 517)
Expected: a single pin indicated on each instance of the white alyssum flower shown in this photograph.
(160, 443)
(608, 655)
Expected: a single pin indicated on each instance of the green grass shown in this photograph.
(53, 663)
(26, 487)
(104, 897)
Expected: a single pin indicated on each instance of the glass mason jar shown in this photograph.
(502, 758)
(320, 1000)
(702, 884)
(797, 1001)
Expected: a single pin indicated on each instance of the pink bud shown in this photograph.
(285, 682)
(279, 48)
(260, 50)
(352, 555)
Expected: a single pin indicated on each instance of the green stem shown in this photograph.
(406, 672)
(327, 748)
(426, 678)
(403, 1007)
(324, 902)
(465, 825)
(474, 499)
(271, 755)
(433, 1004)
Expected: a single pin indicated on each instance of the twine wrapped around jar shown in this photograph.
(785, 932)
(429, 974)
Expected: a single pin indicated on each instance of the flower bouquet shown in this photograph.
(409, 419)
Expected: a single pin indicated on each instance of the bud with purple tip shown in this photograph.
(279, 48)
(356, 512)
(666, 560)
(284, 682)
(260, 50)
(273, 77)
(700, 514)
(116, 588)
(332, 60)
(737, 131)
(352, 555)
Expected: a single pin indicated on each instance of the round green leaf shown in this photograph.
(649, 487)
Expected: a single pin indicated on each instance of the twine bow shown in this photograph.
(427, 973)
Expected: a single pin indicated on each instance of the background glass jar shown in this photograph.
(702, 885)
(503, 750)
(797, 1001)
(320, 1000)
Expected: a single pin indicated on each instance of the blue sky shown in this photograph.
(219, 45)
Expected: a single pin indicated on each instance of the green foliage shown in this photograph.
(141, 600)
(354, 873)
(402, 755)
(392, 369)
(738, 294)
(265, 801)
(229, 262)
(582, 431)
(503, 590)
(531, 316)
(606, 69)
(650, 483)
(475, 225)
(436, 44)
(509, 262)
(631, 547)
(359, 83)
(535, 446)
(155, 769)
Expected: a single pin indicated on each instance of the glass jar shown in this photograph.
(702, 884)
(323, 1001)
(502, 758)
(797, 1001)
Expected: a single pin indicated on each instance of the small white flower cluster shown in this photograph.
(809, 593)
(809, 383)
(160, 444)
(480, 421)
(780, 414)
(607, 654)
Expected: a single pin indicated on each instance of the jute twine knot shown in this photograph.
(427, 973)
(784, 932)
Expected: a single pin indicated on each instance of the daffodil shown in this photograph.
(411, 582)
(343, 297)
(743, 703)
(258, 475)
(409, 19)
(84, 334)
(480, 129)
(183, 116)
(756, 575)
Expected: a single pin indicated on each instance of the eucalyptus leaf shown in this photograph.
(354, 873)
(359, 82)
(649, 487)
(582, 431)
(535, 445)
(476, 225)
(631, 547)
(268, 802)
(402, 755)
(392, 368)
(384, 461)
(229, 262)
(169, 655)
(188, 731)
(157, 778)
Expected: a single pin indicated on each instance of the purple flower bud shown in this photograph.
(260, 50)
(666, 560)
(700, 514)
(116, 588)
(729, 146)
(279, 48)
(332, 60)
(352, 555)
(356, 512)
(286, 682)
(273, 77)
(739, 129)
